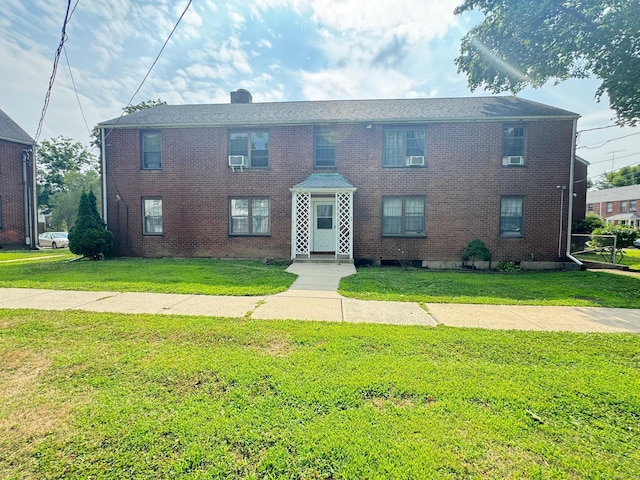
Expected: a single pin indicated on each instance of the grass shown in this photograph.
(22, 256)
(576, 288)
(224, 277)
(190, 276)
(103, 396)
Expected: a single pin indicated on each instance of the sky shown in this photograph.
(279, 50)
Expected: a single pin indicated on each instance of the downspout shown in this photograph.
(570, 202)
(33, 211)
(27, 202)
(103, 158)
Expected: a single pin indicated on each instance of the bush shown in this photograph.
(588, 224)
(89, 236)
(507, 267)
(625, 235)
(476, 248)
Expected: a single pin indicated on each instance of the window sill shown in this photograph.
(145, 234)
(404, 166)
(249, 234)
(508, 236)
(404, 235)
(151, 169)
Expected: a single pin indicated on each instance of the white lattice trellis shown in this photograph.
(344, 207)
(302, 227)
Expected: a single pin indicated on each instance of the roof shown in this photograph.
(493, 108)
(630, 192)
(324, 181)
(623, 216)
(11, 131)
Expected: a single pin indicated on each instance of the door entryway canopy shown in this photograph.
(331, 187)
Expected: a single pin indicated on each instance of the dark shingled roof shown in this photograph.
(317, 112)
(11, 131)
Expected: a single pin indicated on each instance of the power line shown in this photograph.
(607, 141)
(76, 90)
(56, 58)
(151, 67)
(596, 128)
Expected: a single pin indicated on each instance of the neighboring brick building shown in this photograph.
(412, 179)
(16, 185)
(616, 205)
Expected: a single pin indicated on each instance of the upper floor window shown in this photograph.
(632, 205)
(591, 207)
(151, 150)
(249, 216)
(152, 216)
(249, 147)
(511, 216)
(609, 207)
(325, 141)
(404, 147)
(623, 207)
(513, 146)
(403, 216)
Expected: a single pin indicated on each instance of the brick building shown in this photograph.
(616, 205)
(412, 179)
(16, 185)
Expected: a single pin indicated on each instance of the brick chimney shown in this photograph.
(241, 96)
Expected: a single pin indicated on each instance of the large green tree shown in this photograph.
(622, 177)
(64, 204)
(528, 42)
(56, 159)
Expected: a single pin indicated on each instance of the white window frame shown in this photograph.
(402, 211)
(248, 150)
(256, 225)
(152, 210)
(512, 215)
(398, 156)
(144, 163)
(324, 141)
(514, 146)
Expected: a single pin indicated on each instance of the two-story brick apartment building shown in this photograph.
(616, 205)
(411, 179)
(16, 185)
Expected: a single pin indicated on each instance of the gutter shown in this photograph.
(570, 203)
(103, 155)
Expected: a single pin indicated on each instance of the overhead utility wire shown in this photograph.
(607, 141)
(76, 90)
(596, 128)
(47, 96)
(150, 68)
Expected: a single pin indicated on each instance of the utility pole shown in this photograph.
(613, 157)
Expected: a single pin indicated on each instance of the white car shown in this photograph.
(636, 243)
(54, 239)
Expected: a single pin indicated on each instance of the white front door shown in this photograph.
(324, 226)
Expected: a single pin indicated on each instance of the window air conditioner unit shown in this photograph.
(416, 160)
(513, 160)
(237, 161)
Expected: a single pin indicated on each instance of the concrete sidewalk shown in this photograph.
(313, 296)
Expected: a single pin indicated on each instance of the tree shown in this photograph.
(476, 248)
(57, 158)
(588, 224)
(625, 235)
(528, 42)
(129, 109)
(89, 236)
(64, 204)
(623, 177)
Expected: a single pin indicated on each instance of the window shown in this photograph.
(151, 151)
(511, 216)
(152, 214)
(249, 216)
(632, 205)
(591, 207)
(623, 207)
(403, 216)
(0, 211)
(404, 148)
(609, 207)
(325, 147)
(254, 146)
(513, 146)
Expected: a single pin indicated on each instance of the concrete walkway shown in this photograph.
(313, 296)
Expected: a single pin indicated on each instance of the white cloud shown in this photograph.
(264, 43)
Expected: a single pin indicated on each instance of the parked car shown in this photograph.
(636, 243)
(54, 239)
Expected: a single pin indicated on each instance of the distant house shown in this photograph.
(16, 185)
(616, 205)
(371, 180)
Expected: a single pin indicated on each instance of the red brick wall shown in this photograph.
(462, 184)
(12, 233)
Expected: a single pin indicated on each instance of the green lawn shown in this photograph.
(105, 396)
(576, 288)
(193, 276)
(226, 277)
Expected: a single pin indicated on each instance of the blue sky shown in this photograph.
(280, 50)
